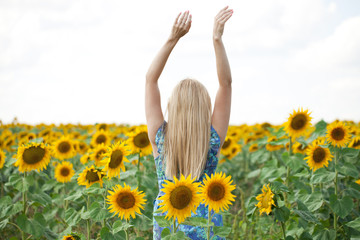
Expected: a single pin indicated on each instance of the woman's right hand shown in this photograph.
(181, 26)
(220, 21)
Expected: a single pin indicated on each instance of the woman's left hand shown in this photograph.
(181, 26)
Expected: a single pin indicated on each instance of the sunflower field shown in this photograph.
(297, 180)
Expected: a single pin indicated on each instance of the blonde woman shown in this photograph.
(190, 142)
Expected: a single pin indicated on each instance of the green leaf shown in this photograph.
(325, 234)
(342, 207)
(254, 173)
(322, 176)
(352, 192)
(177, 236)
(282, 214)
(106, 234)
(40, 197)
(162, 221)
(74, 196)
(40, 218)
(165, 232)
(3, 223)
(348, 170)
(278, 187)
(354, 224)
(222, 231)
(72, 217)
(304, 213)
(120, 226)
(349, 152)
(197, 221)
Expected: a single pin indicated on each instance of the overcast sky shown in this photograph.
(85, 61)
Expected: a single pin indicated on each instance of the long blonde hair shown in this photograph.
(187, 133)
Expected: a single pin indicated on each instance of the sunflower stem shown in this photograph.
(312, 184)
(126, 231)
(288, 173)
(283, 229)
(209, 220)
(174, 224)
(138, 170)
(88, 220)
(336, 185)
(24, 196)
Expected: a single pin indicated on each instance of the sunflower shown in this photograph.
(63, 148)
(32, 156)
(68, 237)
(64, 172)
(98, 154)
(85, 158)
(272, 147)
(216, 192)
(299, 148)
(9, 143)
(101, 137)
(114, 159)
(89, 176)
(254, 147)
(318, 156)
(355, 143)
(2, 158)
(358, 181)
(181, 198)
(319, 141)
(80, 147)
(235, 149)
(338, 134)
(125, 202)
(298, 123)
(228, 144)
(71, 237)
(139, 141)
(265, 200)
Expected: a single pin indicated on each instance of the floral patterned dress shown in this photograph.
(202, 211)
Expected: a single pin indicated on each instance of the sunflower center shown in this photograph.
(319, 155)
(33, 155)
(125, 200)
(338, 134)
(356, 143)
(99, 154)
(180, 197)
(298, 122)
(216, 191)
(101, 139)
(226, 144)
(92, 176)
(103, 126)
(116, 159)
(64, 147)
(141, 140)
(65, 172)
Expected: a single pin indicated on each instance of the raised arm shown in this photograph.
(222, 106)
(154, 115)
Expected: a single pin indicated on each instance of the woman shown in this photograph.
(190, 142)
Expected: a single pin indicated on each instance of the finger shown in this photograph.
(225, 13)
(221, 11)
(224, 16)
(181, 18)
(185, 17)
(188, 23)
(225, 19)
(177, 18)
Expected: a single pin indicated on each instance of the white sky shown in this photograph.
(85, 61)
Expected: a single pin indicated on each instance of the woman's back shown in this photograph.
(202, 211)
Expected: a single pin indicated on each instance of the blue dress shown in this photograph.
(202, 211)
